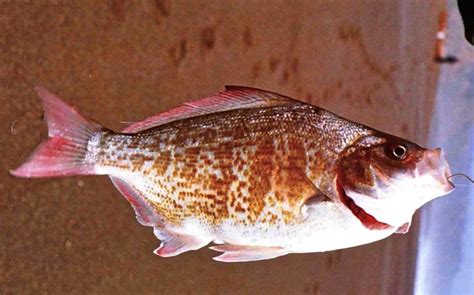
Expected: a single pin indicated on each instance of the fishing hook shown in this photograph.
(460, 174)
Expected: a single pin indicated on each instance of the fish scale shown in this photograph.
(260, 174)
(249, 140)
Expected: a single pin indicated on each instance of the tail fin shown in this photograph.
(65, 151)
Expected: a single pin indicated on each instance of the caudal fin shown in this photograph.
(64, 152)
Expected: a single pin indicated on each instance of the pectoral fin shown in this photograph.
(238, 253)
(298, 187)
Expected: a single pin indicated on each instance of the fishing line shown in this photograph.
(461, 174)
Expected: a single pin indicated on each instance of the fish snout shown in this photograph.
(434, 163)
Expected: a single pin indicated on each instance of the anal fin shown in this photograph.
(173, 244)
(144, 212)
(238, 253)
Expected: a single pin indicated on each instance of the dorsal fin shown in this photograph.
(233, 97)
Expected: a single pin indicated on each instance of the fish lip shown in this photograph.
(435, 164)
(449, 186)
(452, 186)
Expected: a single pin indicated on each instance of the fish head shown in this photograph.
(390, 177)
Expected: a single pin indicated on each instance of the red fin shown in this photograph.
(144, 212)
(64, 152)
(175, 244)
(234, 97)
(238, 253)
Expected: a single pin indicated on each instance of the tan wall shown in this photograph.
(370, 61)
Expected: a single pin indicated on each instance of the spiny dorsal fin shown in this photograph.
(234, 97)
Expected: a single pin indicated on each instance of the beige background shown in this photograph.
(370, 61)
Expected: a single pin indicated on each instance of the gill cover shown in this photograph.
(389, 177)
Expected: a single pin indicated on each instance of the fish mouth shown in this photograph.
(367, 220)
(434, 163)
(449, 187)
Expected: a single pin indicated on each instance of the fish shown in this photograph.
(254, 173)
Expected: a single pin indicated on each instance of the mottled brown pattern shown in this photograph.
(236, 164)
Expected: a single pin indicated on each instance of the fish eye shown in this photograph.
(399, 152)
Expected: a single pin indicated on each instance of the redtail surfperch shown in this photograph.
(258, 174)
